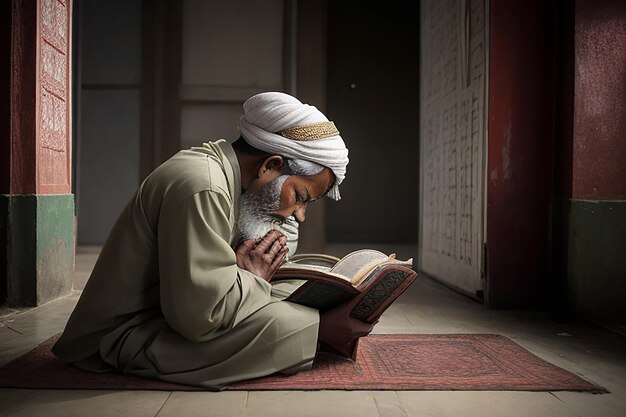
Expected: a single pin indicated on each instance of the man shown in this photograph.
(175, 296)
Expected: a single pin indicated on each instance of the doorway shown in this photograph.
(373, 97)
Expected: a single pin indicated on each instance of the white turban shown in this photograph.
(268, 116)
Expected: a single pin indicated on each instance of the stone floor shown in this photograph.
(427, 307)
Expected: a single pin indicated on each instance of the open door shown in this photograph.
(453, 142)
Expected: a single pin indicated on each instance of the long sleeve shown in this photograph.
(169, 252)
(203, 292)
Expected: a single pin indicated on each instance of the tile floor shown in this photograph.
(427, 307)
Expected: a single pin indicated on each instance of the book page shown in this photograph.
(312, 267)
(351, 264)
(314, 259)
(297, 267)
(354, 264)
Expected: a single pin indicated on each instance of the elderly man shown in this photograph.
(180, 291)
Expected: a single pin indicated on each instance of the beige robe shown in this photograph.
(166, 299)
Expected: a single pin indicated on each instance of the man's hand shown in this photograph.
(262, 257)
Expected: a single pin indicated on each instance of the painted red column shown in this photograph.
(595, 227)
(40, 98)
(37, 206)
(519, 156)
(599, 145)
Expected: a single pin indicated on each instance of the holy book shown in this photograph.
(323, 281)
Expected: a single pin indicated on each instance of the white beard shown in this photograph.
(255, 214)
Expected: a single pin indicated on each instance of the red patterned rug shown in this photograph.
(384, 362)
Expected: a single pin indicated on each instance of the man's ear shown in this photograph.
(271, 165)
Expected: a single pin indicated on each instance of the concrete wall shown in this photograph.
(108, 93)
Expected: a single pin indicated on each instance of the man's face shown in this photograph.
(266, 206)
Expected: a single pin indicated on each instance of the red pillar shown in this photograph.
(519, 156)
(595, 226)
(40, 153)
(599, 132)
(37, 204)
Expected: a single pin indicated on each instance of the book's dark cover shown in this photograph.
(324, 291)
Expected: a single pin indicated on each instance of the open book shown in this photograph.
(324, 282)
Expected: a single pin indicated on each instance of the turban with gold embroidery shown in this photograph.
(280, 124)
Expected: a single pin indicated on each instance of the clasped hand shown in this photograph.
(263, 256)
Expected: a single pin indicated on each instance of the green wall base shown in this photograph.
(596, 258)
(37, 248)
